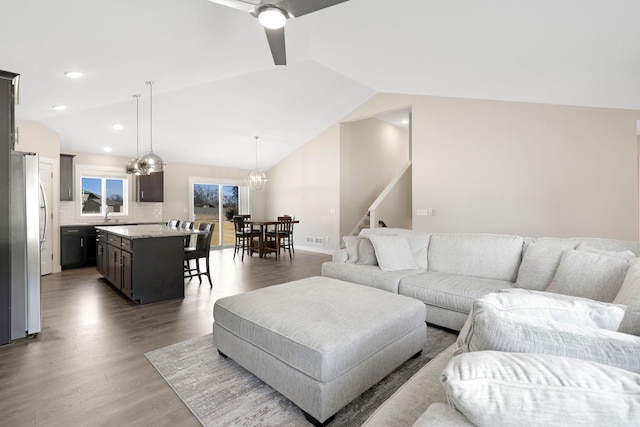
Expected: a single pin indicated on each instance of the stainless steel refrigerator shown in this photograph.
(28, 206)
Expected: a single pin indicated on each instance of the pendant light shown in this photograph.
(133, 165)
(257, 179)
(150, 163)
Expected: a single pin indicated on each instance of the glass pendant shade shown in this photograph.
(150, 162)
(257, 179)
(133, 167)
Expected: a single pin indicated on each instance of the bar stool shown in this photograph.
(201, 250)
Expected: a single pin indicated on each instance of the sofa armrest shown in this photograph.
(340, 256)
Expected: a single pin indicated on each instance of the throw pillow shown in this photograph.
(489, 328)
(589, 275)
(493, 388)
(540, 260)
(351, 244)
(545, 305)
(393, 253)
(366, 253)
(629, 295)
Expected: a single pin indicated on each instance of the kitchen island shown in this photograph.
(144, 262)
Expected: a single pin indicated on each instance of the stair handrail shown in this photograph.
(383, 195)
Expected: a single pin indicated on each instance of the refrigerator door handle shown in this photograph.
(46, 216)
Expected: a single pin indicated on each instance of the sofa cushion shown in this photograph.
(540, 260)
(629, 295)
(351, 244)
(493, 325)
(494, 388)
(543, 305)
(588, 248)
(449, 291)
(589, 275)
(612, 245)
(366, 253)
(367, 275)
(487, 256)
(393, 253)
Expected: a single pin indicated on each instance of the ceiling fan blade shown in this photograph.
(302, 7)
(236, 4)
(276, 44)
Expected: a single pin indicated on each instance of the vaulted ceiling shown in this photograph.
(216, 85)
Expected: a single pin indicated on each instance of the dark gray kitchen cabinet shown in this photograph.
(150, 188)
(66, 177)
(101, 255)
(77, 246)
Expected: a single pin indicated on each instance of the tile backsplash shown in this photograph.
(138, 212)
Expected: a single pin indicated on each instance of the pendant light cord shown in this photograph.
(137, 97)
(256, 152)
(150, 83)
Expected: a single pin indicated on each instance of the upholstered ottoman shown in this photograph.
(320, 342)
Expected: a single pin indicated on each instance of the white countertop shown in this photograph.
(146, 231)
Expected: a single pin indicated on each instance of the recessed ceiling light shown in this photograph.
(405, 122)
(59, 107)
(73, 74)
(117, 126)
(107, 149)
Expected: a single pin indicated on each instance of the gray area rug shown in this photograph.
(221, 393)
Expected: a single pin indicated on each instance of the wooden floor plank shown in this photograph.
(87, 366)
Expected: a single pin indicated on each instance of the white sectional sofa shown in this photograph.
(449, 271)
(594, 361)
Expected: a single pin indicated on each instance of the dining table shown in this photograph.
(263, 224)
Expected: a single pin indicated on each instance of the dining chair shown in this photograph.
(293, 218)
(200, 250)
(279, 238)
(244, 235)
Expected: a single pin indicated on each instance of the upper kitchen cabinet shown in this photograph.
(150, 188)
(66, 177)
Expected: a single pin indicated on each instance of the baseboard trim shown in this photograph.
(317, 250)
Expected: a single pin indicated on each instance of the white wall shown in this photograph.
(371, 154)
(528, 169)
(497, 167)
(306, 184)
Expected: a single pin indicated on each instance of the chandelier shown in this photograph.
(257, 179)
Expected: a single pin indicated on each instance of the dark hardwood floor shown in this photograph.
(87, 366)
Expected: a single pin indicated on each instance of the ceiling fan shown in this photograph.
(273, 14)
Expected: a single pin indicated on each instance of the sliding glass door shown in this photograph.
(218, 203)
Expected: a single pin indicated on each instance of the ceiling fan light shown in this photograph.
(272, 18)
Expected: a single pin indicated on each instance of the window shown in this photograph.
(102, 194)
(217, 201)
